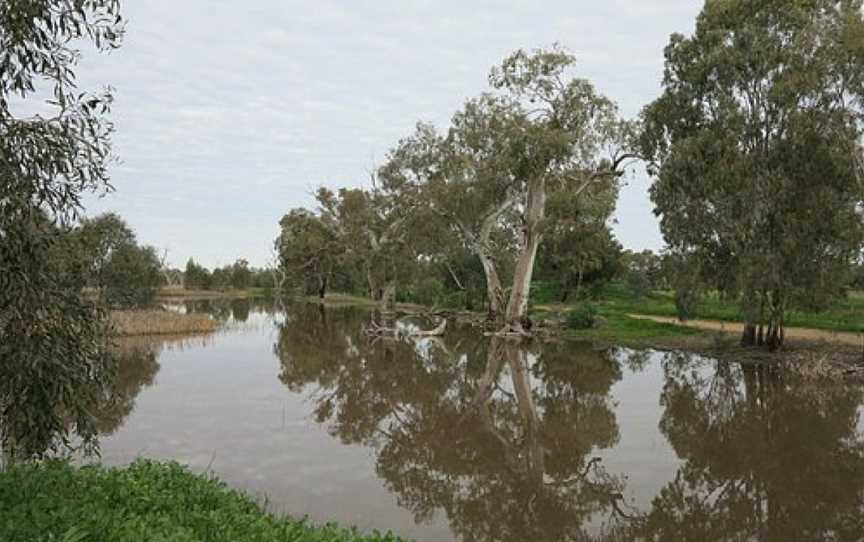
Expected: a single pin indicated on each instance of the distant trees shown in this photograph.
(126, 274)
(643, 271)
(238, 275)
(755, 145)
(53, 356)
(196, 277)
(132, 276)
(309, 250)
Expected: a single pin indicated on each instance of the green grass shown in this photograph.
(616, 301)
(844, 315)
(146, 501)
(619, 330)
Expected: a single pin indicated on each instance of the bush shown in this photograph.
(131, 277)
(146, 501)
(429, 291)
(543, 292)
(583, 316)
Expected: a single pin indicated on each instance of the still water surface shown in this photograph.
(472, 438)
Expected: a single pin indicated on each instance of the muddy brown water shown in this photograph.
(471, 438)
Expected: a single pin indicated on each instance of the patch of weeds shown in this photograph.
(54, 501)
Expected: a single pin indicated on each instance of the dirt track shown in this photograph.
(795, 333)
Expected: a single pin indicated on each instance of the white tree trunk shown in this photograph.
(494, 291)
(535, 213)
(388, 297)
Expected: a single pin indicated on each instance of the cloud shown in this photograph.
(227, 117)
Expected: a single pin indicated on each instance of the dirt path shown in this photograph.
(797, 333)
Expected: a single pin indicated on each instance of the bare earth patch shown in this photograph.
(154, 322)
(794, 333)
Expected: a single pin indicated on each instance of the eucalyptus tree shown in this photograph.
(52, 347)
(99, 237)
(537, 129)
(196, 276)
(573, 139)
(755, 145)
(309, 250)
(579, 248)
(131, 277)
(372, 227)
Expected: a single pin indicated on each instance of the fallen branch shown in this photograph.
(377, 330)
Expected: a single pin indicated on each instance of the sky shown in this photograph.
(229, 114)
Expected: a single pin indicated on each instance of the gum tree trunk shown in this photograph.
(494, 291)
(388, 296)
(322, 286)
(535, 212)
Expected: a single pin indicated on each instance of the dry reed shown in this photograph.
(154, 322)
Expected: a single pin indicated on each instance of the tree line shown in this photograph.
(753, 147)
(104, 255)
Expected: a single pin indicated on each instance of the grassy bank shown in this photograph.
(843, 315)
(615, 302)
(146, 501)
(157, 322)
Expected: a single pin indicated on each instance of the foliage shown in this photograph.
(643, 272)
(146, 501)
(196, 276)
(582, 316)
(106, 250)
(309, 250)
(241, 274)
(132, 276)
(52, 344)
(755, 148)
(372, 228)
(480, 189)
(97, 239)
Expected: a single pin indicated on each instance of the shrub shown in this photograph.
(146, 501)
(131, 276)
(582, 316)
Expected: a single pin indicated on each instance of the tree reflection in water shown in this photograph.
(137, 365)
(497, 437)
(766, 458)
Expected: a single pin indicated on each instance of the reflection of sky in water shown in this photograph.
(218, 403)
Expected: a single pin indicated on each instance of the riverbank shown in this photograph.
(145, 501)
(844, 315)
(182, 293)
(651, 321)
(810, 352)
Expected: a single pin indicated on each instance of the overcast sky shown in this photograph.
(230, 113)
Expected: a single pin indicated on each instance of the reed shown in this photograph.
(156, 322)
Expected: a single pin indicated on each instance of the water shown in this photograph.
(471, 438)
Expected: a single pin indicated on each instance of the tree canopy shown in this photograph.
(755, 145)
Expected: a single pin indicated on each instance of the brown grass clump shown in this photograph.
(154, 322)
